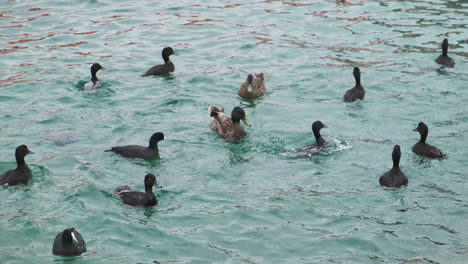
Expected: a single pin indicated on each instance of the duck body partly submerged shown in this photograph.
(142, 152)
(22, 173)
(319, 141)
(228, 127)
(94, 83)
(136, 198)
(162, 69)
(357, 92)
(394, 178)
(421, 148)
(444, 58)
(254, 87)
(69, 243)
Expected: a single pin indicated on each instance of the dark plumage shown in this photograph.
(253, 87)
(422, 148)
(394, 177)
(69, 243)
(142, 152)
(94, 83)
(162, 69)
(319, 141)
(22, 173)
(228, 127)
(135, 198)
(444, 59)
(357, 92)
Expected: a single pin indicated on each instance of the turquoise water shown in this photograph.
(253, 202)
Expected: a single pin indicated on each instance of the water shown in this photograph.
(253, 202)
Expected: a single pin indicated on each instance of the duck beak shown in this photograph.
(246, 122)
(325, 126)
(416, 129)
(30, 152)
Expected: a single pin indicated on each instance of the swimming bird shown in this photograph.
(142, 152)
(69, 243)
(228, 127)
(94, 83)
(22, 173)
(357, 92)
(394, 177)
(162, 69)
(136, 198)
(319, 141)
(253, 87)
(422, 148)
(444, 59)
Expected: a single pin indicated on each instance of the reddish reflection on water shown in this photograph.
(201, 22)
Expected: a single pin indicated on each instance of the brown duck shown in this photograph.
(228, 127)
(253, 87)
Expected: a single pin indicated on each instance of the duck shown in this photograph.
(69, 243)
(253, 87)
(94, 83)
(444, 59)
(357, 92)
(228, 127)
(162, 69)
(136, 198)
(22, 173)
(319, 141)
(142, 152)
(394, 178)
(421, 148)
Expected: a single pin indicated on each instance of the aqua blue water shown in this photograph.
(253, 202)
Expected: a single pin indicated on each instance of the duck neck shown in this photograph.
(235, 121)
(149, 188)
(19, 159)
(318, 138)
(153, 145)
(166, 58)
(93, 76)
(396, 162)
(444, 51)
(358, 80)
(423, 138)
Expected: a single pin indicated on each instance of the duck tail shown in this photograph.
(121, 189)
(214, 109)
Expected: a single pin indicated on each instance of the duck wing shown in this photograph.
(445, 60)
(137, 198)
(244, 90)
(258, 84)
(161, 69)
(135, 151)
(4, 177)
(92, 85)
(393, 178)
(15, 176)
(223, 125)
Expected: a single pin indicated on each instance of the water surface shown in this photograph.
(253, 202)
